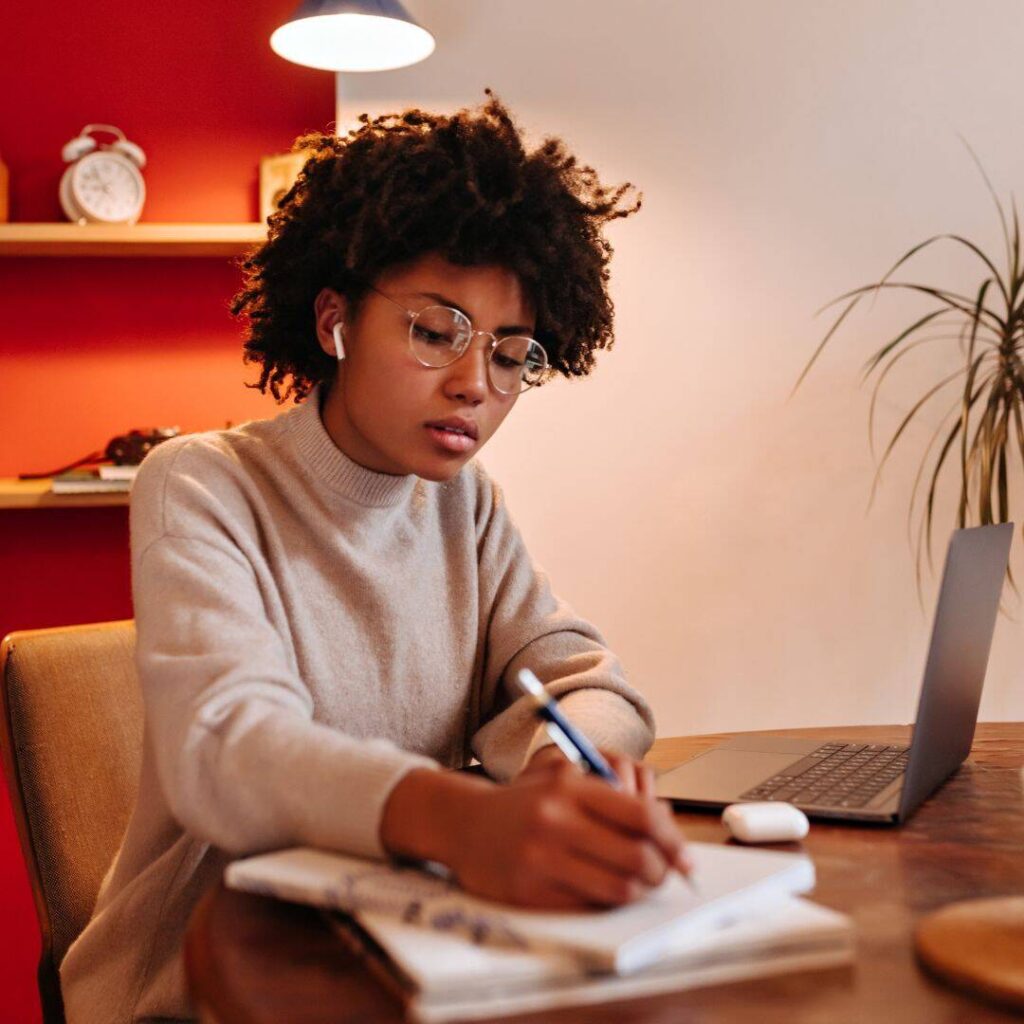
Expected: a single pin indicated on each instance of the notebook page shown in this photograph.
(732, 881)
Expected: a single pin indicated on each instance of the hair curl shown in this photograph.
(401, 186)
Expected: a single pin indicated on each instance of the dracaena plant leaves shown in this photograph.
(981, 433)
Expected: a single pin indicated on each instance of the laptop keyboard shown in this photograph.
(836, 774)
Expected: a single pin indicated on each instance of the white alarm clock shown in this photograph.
(103, 182)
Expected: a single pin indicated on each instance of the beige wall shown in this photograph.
(714, 528)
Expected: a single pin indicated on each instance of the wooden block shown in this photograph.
(277, 175)
(977, 945)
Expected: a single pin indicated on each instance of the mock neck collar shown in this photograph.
(334, 469)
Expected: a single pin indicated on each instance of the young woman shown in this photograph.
(332, 605)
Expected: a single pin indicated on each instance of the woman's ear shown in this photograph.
(330, 309)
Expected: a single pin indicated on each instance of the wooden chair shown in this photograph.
(71, 739)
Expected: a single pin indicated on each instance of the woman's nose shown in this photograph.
(467, 378)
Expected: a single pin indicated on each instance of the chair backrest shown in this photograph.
(71, 738)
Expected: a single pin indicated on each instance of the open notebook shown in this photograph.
(442, 977)
(731, 881)
(454, 957)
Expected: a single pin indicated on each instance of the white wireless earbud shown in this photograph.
(339, 344)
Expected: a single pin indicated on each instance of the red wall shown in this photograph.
(90, 348)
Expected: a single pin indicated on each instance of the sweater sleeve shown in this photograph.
(527, 626)
(241, 761)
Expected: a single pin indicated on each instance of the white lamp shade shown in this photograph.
(345, 35)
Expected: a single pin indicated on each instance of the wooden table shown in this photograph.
(252, 960)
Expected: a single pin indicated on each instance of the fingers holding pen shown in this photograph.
(638, 815)
(593, 883)
(634, 776)
(558, 838)
(628, 803)
(647, 789)
(620, 821)
(590, 864)
(633, 857)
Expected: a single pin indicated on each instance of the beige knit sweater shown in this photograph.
(308, 632)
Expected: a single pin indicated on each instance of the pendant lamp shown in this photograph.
(352, 35)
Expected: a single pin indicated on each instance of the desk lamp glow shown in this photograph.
(352, 35)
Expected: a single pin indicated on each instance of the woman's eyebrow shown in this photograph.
(445, 301)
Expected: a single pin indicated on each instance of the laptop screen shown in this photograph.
(965, 619)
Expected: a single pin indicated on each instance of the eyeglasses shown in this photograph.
(438, 335)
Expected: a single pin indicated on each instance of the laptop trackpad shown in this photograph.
(720, 776)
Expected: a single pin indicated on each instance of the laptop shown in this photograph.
(874, 781)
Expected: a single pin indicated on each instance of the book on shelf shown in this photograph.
(87, 481)
(110, 471)
(454, 956)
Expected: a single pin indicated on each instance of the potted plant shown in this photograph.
(982, 432)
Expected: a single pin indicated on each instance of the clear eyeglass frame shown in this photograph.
(527, 361)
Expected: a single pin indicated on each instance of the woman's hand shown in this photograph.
(553, 837)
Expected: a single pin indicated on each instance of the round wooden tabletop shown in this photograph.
(252, 960)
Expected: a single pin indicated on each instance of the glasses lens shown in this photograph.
(517, 364)
(439, 335)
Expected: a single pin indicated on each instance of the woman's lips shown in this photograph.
(451, 440)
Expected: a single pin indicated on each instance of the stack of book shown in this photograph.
(103, 480)
(452, 956)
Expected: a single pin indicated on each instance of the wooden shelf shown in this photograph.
(129, 239)
(36, 494)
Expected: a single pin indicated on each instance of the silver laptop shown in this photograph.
(872, 781)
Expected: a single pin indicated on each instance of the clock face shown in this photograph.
(107, 187)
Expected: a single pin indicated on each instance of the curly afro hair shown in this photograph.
(401, 186)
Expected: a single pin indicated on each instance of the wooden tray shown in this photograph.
(977, 945)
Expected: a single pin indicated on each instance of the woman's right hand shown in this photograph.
(552, 838)
(560, 839)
